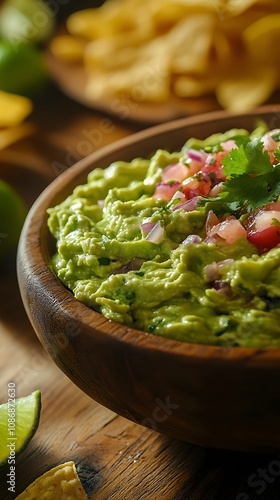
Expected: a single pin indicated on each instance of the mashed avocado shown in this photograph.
(172, 246)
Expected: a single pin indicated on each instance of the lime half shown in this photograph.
(19, 420)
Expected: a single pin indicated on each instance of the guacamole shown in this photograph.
(183, 244)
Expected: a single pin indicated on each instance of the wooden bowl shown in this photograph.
(217, 397)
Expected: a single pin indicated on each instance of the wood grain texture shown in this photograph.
(116, 458)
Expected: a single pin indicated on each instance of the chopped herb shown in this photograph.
(124, 296)
(104, 261)
(252, 192)
(168, 205)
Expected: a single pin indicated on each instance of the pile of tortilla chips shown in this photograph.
(152, 50)
(13, 111)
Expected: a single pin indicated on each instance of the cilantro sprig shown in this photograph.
(252, 180)
(248, 158)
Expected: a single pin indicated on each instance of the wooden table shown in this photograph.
(116, 458)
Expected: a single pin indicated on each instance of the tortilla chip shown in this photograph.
(60, 483)
(262, 40)
(68, 48)
(187, 86)
(190, 43)
(246, 92)
(14, 109)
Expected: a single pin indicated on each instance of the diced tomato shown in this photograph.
(230, 230)
(165, 191)
(211, 220)
(195, 161)
(175, 172)
(194, 186)
(266, 239)
(261, 229)
(270, 145)
(214, 165)
(266, 219)
(193, 167)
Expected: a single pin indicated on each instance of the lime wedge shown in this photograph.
(19, 420)
(61, 482)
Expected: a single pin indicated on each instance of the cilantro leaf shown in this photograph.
(251, 192)
(258, 160)
(236, 162)
(249, 158)
(242, 140)
(274, 182)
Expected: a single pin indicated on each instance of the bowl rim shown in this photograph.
(35, 232)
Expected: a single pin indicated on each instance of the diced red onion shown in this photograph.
(191, 238)
(196, 154)
(134, 265)
(212, 271)
(225, 262)
(146, 227)
(205, 176)
(178, 195)
(216, 190)
(156, 234)
(269, 143)
(223, 287)
(188, 205)
(100, 203)
(214, 238)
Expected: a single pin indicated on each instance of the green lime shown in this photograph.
(22, 69)
(19, 420)
(28, 21)
(12, 216)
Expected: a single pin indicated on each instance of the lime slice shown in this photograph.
(19, 420)
(60, 482)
